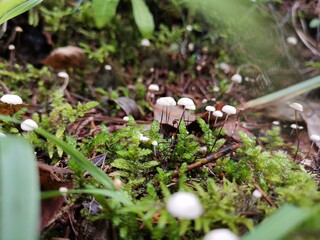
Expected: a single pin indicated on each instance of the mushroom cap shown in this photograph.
(190, 107)
(257, 194)
(217, 113)
(154, 143)
(228, 109)
(184, 205)
(28, 125)
(294, 126)
(166, 101)
(125, 118)
(63, 74)
(154, 87)
(11, 99)
(185, 102)
(315, 138)
(236, 78)
(145, 42)
(296, 106)
(210, 108)
(221, 234)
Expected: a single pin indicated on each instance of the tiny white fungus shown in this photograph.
(125, 118)
(257, 194)
(166, 101)
(154, 143)
(237, 78)
(145, 42)
(185, 102)
(210, 108)
(221, 234)
(107, 67)
(217, 113)
(296, 106)
(184, 205)
(63, 189)
(28, 125)
(315, 138)
(63, 75)
(11, 99)
(154, 87)
(229, 110)
(292, 40)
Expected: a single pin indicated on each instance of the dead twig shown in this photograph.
(265, 196)
(209, 158)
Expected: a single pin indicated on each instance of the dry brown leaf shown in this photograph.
(66, 57)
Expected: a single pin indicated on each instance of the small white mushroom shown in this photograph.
(237, 78)
(221, 234)
(145, 42)
(11, 99)
(296, 106)
(154, 87)
(28, 125)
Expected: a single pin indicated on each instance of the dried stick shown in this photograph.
(209, 158)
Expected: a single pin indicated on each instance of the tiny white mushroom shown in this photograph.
(107, 67)
(315, 138)
(224, 66)
(144, 138)
(237, 78)
(185, 102)
(145, 42)
(154, 87)
(117, 183)
(292, 40)
(189, 28)
(217, 113)
(154, 143)
(125, 118)
(18, 29)
(190, 107)
(296, 106)
(166, 101)
(11, 99)
(221, 234)
(184, 205)
(63, 74)
(11, 47)
(28, 125)
(229, 110)
(257, 194)
(210, 108)
(63, 189)
(276, 123)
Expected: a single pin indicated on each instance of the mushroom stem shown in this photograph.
(297, 134)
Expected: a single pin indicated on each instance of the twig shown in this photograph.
(209, 158)
(265, 196)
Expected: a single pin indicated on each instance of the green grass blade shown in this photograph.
(80, 159)
(283, 94)
(104, 11)
(19, 190)
(278, 225)
(143, 17)
(9, 9)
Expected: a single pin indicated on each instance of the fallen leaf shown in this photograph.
(9, 109)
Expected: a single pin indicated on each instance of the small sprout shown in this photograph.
(28, 125)
(296, 106)
(153, 87)
(145, 42)
(237, 78)
(2, 135)
(63, 190)
(125, 118)
(189, 28)
(221, 234)
(184, 205)
(292, 40)
(11, 99)
(107, 67)
(117, 183)
(257, 194)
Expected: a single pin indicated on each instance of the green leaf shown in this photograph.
(143, 17)
(11, 8)
(104, 11)
(19, 190)
(80, 159)
(121, 163)
(278, 225)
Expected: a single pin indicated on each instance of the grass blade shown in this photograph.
(10, 10)
(104, 11)
(19, 190)
(143, 17)
(286, 219)
(80, 159)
